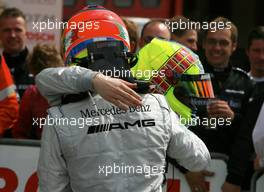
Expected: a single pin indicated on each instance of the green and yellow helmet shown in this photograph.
(176, 72)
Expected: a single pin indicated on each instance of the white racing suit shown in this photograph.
(55, 82)
(114, 150)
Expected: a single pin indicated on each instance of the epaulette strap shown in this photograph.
(241, 71)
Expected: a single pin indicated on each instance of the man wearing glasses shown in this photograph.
(232, 88)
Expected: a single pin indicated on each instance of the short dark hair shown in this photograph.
(150, 23)
(256, 33)
(12, 12)
(177, 19)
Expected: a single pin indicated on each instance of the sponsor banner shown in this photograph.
(18, 165)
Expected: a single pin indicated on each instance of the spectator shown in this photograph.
(232, 88)
(8, 101)
(33, 106)
(153, 28)
(74, 158)
(13, 38)
(255, 52)
(133, 34)
(187, 37)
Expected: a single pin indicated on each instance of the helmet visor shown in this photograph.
(195, 91)
(199, 85)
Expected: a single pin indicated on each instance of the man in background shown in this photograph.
(185, 36)
(232, 88)
(13, 38)
(154, 28)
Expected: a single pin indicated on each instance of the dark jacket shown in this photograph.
(18, 69)
(234, 86)
(243, 145)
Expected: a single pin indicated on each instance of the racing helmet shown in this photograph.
(95, 38)
(176, 72)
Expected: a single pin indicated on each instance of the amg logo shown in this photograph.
(125, 125)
